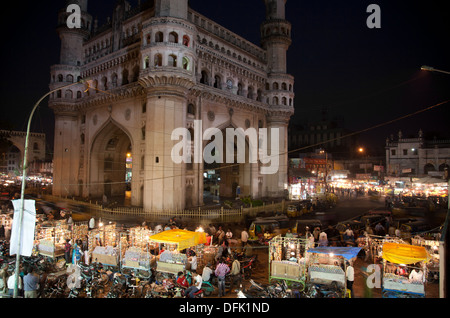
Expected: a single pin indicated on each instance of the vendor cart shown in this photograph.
(50, 238)
(103, 246)
(135, 253)
(327, 266)
(287, 262)
(431, 244)
(171, 261)
(399, 260)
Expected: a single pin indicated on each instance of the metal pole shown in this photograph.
(442, 250)
(22, 192)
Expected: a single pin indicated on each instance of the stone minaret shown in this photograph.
(276, 39)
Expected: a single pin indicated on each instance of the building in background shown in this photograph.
(154, 68)
(417, 156)
(12, 152)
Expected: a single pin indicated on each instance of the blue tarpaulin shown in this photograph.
(346, 252)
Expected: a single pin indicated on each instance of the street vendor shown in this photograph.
(417, 276)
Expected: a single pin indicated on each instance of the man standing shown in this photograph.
(30, 284)
(207, 271)
(244, 237)
(350, 273)
(235, 274)
(221, 271)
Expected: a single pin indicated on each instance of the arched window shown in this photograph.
(146, 62)
(259, 96)
(284, 86)
(186, 63)
(284, 101)
(135, 74)
(125, 77)
(105, 83)
(428, 167)
(240, 90)
(250, 92)
(191, 109)
(69, 78)
(36, 146)
(186, 40)
(79, 94)
(148, 39)
(173, 37)
(275, 86)
(114, 80)
(159, 37)
(68, 94)
(58, 94)
(158, 60)
(60, 78)
(217, 82)
(204, 78)
(275, 101)
(172, 60)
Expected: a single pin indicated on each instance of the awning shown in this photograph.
(346, 252)
(184, 239)
(404, 253)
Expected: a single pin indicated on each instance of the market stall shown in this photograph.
(403, 270)
(103, 245)
(327, 265)
(286, 260)
(50, 238)
(171, 243)
(135, 250)
(432, 246)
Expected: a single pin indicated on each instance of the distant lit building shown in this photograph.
(12, 157)
(416, 156)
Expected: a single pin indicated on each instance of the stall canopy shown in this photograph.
(184, 239)
(346, 252)
(404, 253)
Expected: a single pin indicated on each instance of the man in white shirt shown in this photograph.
(198, 281)
(416, 276)
(12, 284)
(207, 271)
(350, 274)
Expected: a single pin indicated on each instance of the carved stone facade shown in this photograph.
(152, 69)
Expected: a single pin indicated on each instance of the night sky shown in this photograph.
(361, 76)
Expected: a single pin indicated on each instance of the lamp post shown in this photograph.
(444, 237)
(432, 69)
(22, 192)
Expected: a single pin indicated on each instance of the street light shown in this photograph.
(432, 69)
(442, 243)
(24, 175)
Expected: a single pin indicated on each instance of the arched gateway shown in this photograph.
(152, 70)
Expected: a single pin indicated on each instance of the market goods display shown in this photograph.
(135, 257)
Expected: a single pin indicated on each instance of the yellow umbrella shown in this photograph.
(184, 239)
(404, 253)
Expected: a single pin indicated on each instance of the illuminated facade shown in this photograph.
(154, 68)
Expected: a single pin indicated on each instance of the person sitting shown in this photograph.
(182, 280)
(191, 290)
